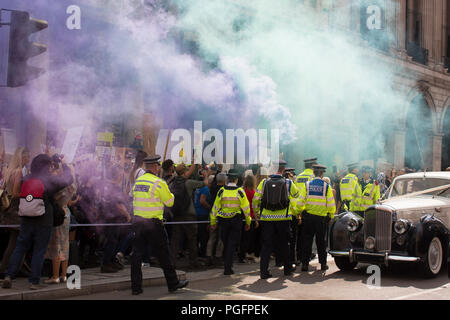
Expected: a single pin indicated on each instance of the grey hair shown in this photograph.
(221, 177)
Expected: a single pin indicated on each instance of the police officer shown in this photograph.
(370, 195)
(350, 189)
(289, 173)
(318, 201)
(275, 223)
(366, 178)
(230, 200)
(150, 195)
(300, 182)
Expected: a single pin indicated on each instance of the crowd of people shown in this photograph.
(96, 199)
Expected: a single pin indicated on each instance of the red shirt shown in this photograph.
(250, 193)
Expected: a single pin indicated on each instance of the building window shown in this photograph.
(414, 33)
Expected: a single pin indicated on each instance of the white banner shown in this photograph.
(71, 143)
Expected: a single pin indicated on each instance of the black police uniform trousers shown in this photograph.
(151, 232)
(230, 233)
(314, 225)
(275, 234)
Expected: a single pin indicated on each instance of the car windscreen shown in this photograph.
(405, 186)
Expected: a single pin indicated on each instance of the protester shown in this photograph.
(58, 249)
(183, 189)
(202, 207)
(137, 170)
(37, 217)
(12, 183)
(251, 239)
(168, 170)
(112, 210)
(84, 214)
(214, 247)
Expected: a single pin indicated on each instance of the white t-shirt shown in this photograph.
(139, 173)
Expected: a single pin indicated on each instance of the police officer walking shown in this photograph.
(150, 195)
(350, 189)
(230, 200)
(275, 200)
(318, 201)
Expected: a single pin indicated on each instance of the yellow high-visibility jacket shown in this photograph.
(229, 202)
(278, 215)
(318, 198)
(370, 195)
(351, 191)
(150, 195)
(303, 178)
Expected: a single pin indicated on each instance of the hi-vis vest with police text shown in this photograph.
(278, 215)
(351, 191)
(150, 195)
(318, 198)
(229, 202)
(370, 195)
(303, 178)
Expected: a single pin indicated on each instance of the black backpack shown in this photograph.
(182, 200)
(275, 194)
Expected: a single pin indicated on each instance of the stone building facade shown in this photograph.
(418, 49)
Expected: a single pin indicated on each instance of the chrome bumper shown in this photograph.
(353, 256)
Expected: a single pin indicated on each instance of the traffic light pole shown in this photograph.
(4, 46)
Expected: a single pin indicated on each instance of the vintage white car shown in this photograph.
(411, 225)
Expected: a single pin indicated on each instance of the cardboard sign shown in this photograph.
(105, 137)
(71, 143)
(9, 140)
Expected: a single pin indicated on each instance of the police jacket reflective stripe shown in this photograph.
(370, 195)
(351, 191)
(303, 178)
(278, 215)
(318, 198)
(150, 195)
(229, 202)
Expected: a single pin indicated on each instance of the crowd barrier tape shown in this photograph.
(111, 224)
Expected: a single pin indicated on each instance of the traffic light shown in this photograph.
(21, 49)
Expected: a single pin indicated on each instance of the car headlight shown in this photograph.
(353, 224)
(401, 226)
(370, 243)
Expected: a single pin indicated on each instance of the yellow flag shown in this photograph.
(181, 153)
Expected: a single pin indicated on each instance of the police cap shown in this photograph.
(289, 170)
(319, 167)
(152, 159)
(310, 161)
(233, 173)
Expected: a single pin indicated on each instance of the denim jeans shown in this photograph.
(34, 236)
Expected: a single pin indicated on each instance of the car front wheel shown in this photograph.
(432, 264)
(343, 263)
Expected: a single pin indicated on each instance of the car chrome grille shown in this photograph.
(378, 224)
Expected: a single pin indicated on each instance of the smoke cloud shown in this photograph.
(252, 64)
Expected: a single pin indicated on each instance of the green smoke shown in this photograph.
(330, 96)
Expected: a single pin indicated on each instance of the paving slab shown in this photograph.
(92, 281)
